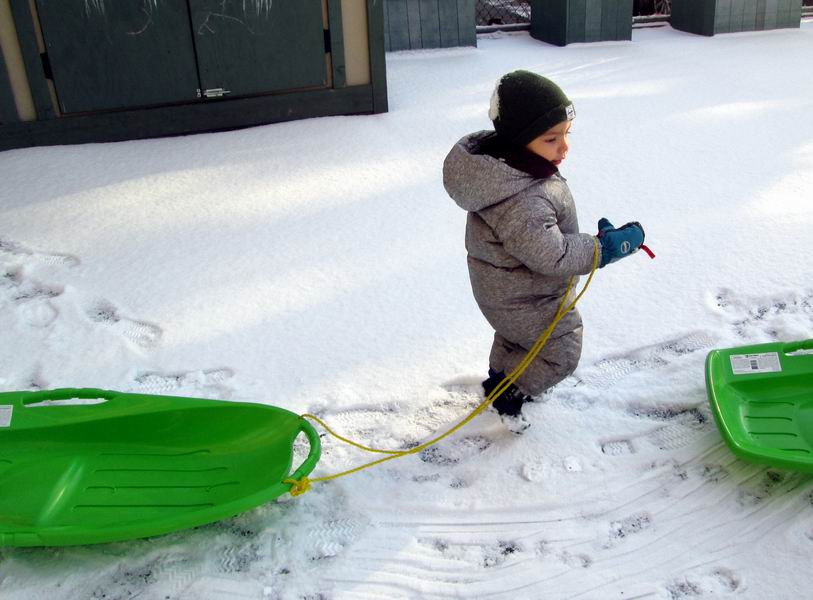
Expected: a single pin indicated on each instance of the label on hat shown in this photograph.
(5, 415)
(570, 111)
(767, 362)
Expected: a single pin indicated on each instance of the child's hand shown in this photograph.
(618, 243)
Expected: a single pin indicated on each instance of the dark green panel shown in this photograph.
(187, 118)
(737, 15)
(770, 14)
(108, 54)
(576, 18)
(397, 25)
(387, 45)
(378, 63)
(24, 23)
(609, 23)
(430, 26)
(759, 19)
(8, 107)
(467, 22)
(694, 16)
(722, 16)
(447, 20)
(414, 24)
(749, 15)
(571, 21)
(680, 17)
(337, 58)
(706, 9)
(549, 21)
(592, 21)
(259, 46)
(624, 19)
(795, 14)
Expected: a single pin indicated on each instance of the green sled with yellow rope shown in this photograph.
(85, 466)
(118, 466)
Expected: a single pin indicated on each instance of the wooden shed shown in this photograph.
(74, 71)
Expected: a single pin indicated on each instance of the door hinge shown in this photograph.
(216, 92)
(46, 66)
(327, 41)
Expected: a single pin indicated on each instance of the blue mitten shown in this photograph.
(618, 243)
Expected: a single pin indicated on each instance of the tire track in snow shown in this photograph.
(16, 250)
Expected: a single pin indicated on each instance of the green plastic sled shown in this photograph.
(762, 400)
(135, 465)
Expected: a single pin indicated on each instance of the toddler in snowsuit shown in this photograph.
(522, 234)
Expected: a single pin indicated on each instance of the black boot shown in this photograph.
(508, 404)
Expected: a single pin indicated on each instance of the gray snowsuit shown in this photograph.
(523, 243)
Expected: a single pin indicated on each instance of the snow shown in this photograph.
(319, 266)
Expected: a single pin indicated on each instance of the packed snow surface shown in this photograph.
(319, 266)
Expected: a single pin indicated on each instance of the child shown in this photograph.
(522, 235)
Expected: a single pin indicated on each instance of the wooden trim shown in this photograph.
(24, 23)
(337, 59)
(213, 115)
(378, 64)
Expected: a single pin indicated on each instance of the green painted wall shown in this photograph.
(563, 22)
(709, 17)
(414, 24)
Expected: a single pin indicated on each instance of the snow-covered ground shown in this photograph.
(319, 266)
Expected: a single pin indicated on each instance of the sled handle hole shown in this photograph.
(67, 397)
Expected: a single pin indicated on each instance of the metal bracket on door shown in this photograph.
(216, 93)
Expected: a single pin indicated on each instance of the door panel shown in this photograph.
(259, 46)
(108, 54)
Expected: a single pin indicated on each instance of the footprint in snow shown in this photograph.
(625, 528)
(10, 248)
(487, 555)
(30, 297)
(143, 334)
(770, 484)
(787, 315)
(454, 451)
(545, 550)
(682, 425)
(210, 382)
(712, 584)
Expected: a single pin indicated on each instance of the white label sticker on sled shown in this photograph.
(5, 415)
(768, 362)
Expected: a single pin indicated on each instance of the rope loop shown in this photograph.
(298, 487)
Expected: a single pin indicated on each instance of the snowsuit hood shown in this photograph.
(476, 181)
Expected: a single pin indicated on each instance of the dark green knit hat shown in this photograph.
(525, 105)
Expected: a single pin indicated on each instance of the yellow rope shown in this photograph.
(302, 485)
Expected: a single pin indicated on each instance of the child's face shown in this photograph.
(553, 145)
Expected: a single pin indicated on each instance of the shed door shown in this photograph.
(256, 46)
(108, 54)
